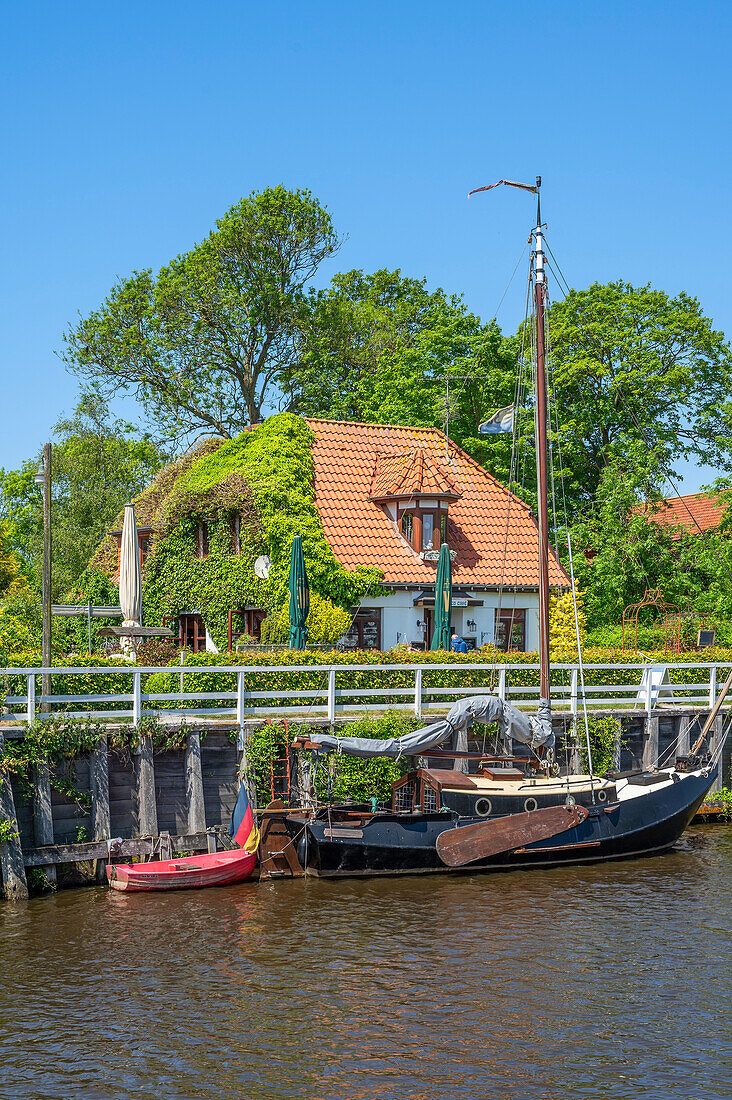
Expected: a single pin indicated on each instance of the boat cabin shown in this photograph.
(496, 789)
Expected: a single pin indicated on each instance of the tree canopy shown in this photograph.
(202, 344)
(380, 347)
(98, 464)
(633, 365)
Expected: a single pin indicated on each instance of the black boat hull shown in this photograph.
(406, 843)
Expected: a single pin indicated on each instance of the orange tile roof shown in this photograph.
(345, 456)
(409, 474)
(696, 512)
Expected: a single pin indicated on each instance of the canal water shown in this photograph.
(590, 982)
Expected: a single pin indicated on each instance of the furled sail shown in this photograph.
(535, 732)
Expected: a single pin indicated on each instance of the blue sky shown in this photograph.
(128, 129)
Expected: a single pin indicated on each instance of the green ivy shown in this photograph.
(603, 733)
(336, 776)
(266, 476)
(7, 830)
(339, 776)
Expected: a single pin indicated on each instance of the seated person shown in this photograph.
(457, 644)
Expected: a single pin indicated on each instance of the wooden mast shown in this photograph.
(541, 451)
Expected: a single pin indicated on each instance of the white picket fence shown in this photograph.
(641, 690)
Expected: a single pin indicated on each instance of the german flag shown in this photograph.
(242, 826)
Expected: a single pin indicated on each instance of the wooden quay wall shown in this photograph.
(181, 799)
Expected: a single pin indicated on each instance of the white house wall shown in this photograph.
(399, 617)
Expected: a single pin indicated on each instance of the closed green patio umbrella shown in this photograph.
(299, 596)
(443, 600)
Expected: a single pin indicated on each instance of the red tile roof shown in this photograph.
(346, 456)
(409, 474)
(696, 512)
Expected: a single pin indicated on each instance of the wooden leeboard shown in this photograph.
(456, 847)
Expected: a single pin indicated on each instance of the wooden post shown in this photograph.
(331, 696)
(15, 887)
(502, 684)
(46, 585)
(650, 743)
(718, 735)
(682, 736)
(418, 693)
(575, 755)
(194, 784)
(573, 692)
(712, 685)
(136, 697)
(42, 812)
(100, 814)
(145, 781)
(240, 704)
(649, 689)
(30, 714)
(249, 777)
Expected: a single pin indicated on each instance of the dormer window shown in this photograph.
(201, 540)
(416, 492)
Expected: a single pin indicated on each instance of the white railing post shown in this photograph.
(136, 698)
(502, 684)
(30, 716)
(331, 695)
(240, 690)
(573, 695)
(418, 692)
(649, 687)
(712, 685)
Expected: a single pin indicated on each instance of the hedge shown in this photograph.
(287, 674)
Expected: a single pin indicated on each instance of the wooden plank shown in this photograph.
(145, 777)
(43, 811)
(96, 849)
(195, 806)
(650, 744)
(101, 822)
(457, 847)
(15, 887)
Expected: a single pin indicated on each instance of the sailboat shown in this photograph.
(510, 812)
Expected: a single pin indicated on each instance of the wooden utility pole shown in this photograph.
(42, 808)
(46, 588)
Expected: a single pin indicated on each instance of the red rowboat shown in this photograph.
(209, 869)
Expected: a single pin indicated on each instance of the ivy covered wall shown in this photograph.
(265, 476)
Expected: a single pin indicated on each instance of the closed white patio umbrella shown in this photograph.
(130, 578)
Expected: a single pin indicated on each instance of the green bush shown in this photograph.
(326, 623)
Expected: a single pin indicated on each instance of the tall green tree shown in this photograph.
(634, 365)
(202, 344)
(380, 347)
(98, 464)
(620, 548)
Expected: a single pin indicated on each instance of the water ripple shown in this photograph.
(567, 983)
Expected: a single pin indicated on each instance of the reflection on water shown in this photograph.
(585, 982)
